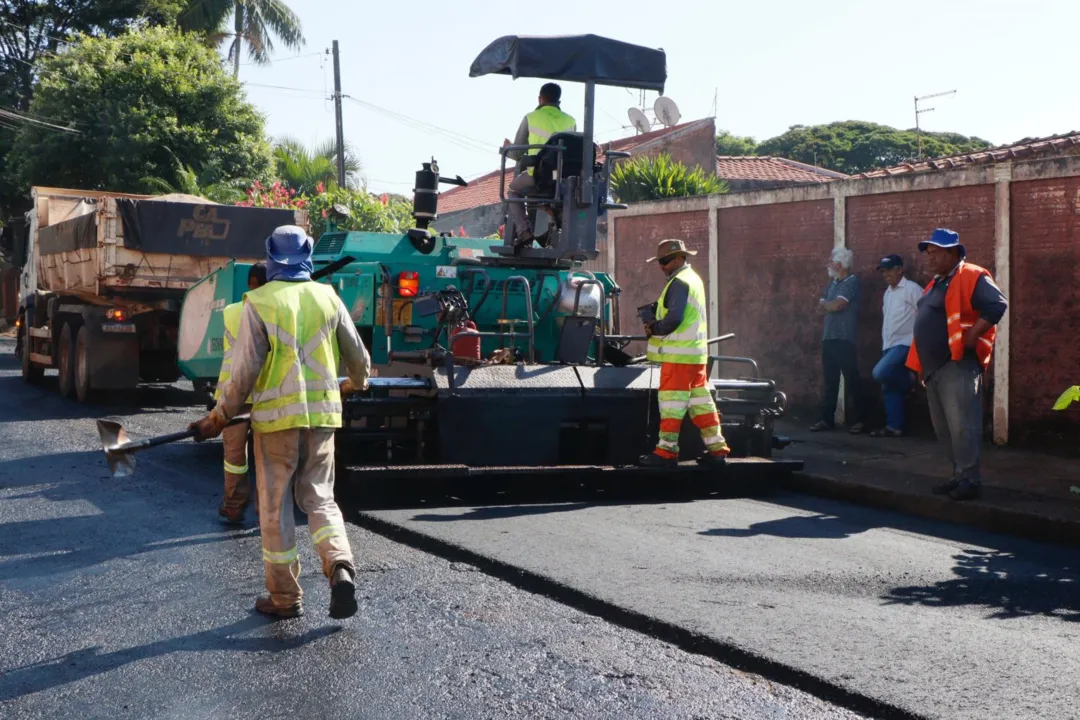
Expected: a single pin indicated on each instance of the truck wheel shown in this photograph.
(82, 367)
(31, 373)
(64, 360)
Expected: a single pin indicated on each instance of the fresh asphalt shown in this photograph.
(126, 598)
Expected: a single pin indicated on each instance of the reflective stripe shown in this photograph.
(236, 469)
(281, 558)
(673, 404)
(265, 415)
(702, 400)
(687, 343)
(293, 386)
(667, 350)
(538, 132)
(327, 532)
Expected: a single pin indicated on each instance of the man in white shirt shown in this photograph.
(899, 305)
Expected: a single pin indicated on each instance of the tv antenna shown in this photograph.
(919, 111)
(666, 111)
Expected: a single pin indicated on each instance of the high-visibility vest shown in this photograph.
(231, 316)
(544, 122)
(688, 342)
(298, 386)
(960, 316)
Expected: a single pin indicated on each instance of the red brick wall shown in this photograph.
(771, 272)
(693, 149)
(879, 225)
(1044, 308)
(636, 239)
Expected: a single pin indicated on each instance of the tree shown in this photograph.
(302, 169)
(728, 144)
(139, 103)
(188, 182)
(31, 30)
(253, 21)
(647, 178)
(854, 146)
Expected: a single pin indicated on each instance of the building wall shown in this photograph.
(636, 239)
(693, 148)
(770, 270)
(1019, 220)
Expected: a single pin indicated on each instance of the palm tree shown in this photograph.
(301, 169)
(254, 21)
(226, 192)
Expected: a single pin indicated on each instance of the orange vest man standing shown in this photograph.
(952, 346)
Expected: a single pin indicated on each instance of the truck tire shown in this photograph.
(65, 356)
(81, 375)
(31, 373)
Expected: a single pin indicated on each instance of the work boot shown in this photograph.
(231, 517)
(965, 490)
(654, 460)
(711, 460)
(265, 605)
(342, 593)
(524, 239)
(946, 488)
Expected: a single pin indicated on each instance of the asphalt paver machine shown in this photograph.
(496, 360)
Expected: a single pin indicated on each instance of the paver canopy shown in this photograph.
(574, 58)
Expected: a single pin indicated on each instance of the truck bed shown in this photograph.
(113, 245)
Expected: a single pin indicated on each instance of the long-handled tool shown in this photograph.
(119, 449)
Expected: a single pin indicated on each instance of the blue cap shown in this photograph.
(890, 261)
(288, 254)
(944, 239)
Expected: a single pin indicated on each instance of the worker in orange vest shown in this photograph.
(955, 328)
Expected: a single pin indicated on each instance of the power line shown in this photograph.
(16, 116)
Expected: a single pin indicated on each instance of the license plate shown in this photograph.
(118, 327)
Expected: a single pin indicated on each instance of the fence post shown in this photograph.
(1002, 263)
(839, 241)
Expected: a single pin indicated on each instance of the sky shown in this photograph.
(758, 68)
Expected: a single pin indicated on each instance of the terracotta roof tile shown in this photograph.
(765, 167)
(1024, 149)
(484, 190)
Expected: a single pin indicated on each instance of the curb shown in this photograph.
(986, 516)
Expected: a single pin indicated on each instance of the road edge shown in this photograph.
(683, 638)
(992, 518)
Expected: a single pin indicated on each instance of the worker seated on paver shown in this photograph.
(536, 129)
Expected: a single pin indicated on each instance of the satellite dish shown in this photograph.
(639, 120)
(667, 111)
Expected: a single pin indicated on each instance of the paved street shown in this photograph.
(125, 598)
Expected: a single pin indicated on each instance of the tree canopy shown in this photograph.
(132, 106)
(728, 144)
(854, 146)
(256, 22)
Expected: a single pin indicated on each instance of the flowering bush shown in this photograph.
(275, 196)
(367, 212)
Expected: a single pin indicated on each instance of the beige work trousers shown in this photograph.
(234, 440)
(297, 463)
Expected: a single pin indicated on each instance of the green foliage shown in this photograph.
(255, 22)
(728, 144)
(367, 212)
(854, 146)
(188, 182)
(301, 169)
(645, 178)
(139, 102)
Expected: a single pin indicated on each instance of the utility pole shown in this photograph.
(337, 114)
(918, 132)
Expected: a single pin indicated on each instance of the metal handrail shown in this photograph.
(528, 310)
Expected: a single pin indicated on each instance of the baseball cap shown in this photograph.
(890, 261)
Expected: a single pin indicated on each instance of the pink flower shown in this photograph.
(320, 188)
(325, 214)
(384, 198)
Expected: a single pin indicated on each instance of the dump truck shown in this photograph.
(105, 275)
(494, 359)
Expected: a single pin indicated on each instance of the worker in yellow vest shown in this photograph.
(678, 341)
(536, 129)
(294, 333)
(234, 439)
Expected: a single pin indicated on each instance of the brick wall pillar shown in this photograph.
(714, 282)
(839, 241)
(1002, 261)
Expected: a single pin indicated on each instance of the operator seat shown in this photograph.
(546, 165)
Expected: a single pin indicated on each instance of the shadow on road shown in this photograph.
(500, 512)
(827, 527)
(90, 662)
(48, 405)
(1007, 583)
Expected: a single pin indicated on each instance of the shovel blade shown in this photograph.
(113, 438)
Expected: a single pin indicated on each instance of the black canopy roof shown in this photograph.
(575, 58)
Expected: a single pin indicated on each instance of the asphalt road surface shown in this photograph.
(126, 598)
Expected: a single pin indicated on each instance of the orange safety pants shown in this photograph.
(686, 387)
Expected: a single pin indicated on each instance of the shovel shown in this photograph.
(119, 450)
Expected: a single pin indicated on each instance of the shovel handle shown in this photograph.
(172, 437)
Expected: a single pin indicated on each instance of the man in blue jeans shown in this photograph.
(899, 305)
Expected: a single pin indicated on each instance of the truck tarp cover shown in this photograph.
(176, 228)
(574, 58)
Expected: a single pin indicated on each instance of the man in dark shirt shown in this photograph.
(954, 387)
(840, 304)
